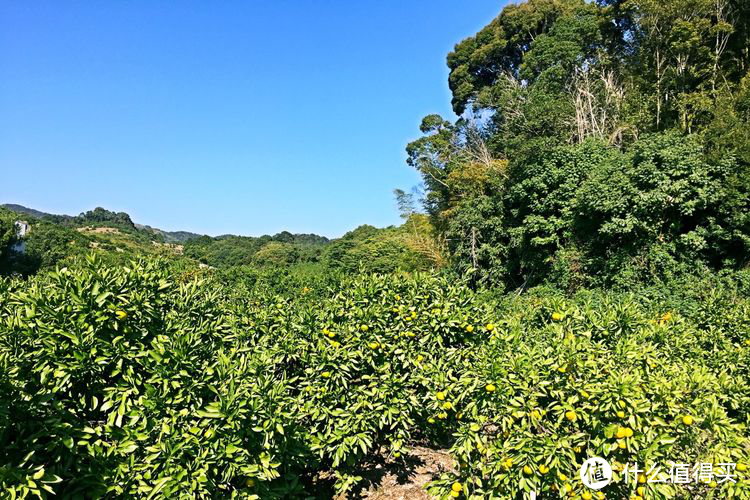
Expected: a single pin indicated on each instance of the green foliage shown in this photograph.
(603, 142)
(102, 217)
(374, 250)
(145, 381)
(7, 232)
(283, 248)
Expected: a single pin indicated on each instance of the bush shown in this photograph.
(138, 381)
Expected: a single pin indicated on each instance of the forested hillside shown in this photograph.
(572, 281)
(599, 143)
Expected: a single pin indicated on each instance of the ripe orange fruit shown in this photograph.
(121, 314)
(557, 316)
(490, 327)
(457, 486)
(527, 470)
(687, 420)
(440, 395)
(489, 387)
(571, 415)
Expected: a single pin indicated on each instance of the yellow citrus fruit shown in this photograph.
(642, 478)
(374, 345)
(489, 388)
(420, 358)
(447, 405)
(557, 316)
(442, 416)
(622, 445)
(712, 484)
(440, 395)
(325, 374)
(121, 314)
(509, 463)
(364, 328)
(571, 415)
(470, 328)
(457, 486)
(600, 495)
(628, 432)
(527, 470)
(586, 495)
(568, 488)
(455, 494)
(622, 404)
(562, 477)
(430, 420)
(687, 420)
(562, 369)
(641, 490)
(620, 414)
(741, 467)
(620, 433)
(490, 327)
(543, 469)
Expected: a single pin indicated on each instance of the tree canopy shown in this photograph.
(595, 142)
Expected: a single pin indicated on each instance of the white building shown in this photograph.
(22, 229)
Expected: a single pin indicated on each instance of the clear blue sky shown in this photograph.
(223, 117)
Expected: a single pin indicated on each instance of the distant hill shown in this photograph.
(34, 213)
(171, 236)
(101, 216)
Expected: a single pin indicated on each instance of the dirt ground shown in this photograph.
(403, 478)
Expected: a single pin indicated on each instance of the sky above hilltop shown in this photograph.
(223, 117)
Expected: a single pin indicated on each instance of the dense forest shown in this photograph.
(571, 280)
(599, 143)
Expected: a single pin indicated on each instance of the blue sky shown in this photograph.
(223, 117)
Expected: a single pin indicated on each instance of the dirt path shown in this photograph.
(403, 478)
